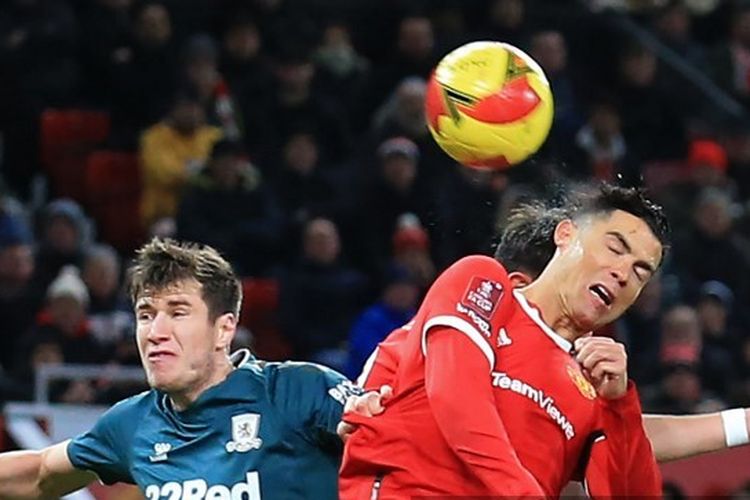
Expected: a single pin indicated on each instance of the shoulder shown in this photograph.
(156, 132)
(475, 267)
(137, 404)
(298, 372)
(292, 379)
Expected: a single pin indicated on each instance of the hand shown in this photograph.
(605, 364)
(368, 404)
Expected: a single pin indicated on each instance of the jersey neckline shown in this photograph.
(533, 313)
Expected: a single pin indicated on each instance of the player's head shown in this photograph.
(187, 300)
(527, 242)
(606, 251)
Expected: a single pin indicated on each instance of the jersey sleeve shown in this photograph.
(103, 450)
(311, 398)
(622, 462)
(472, 297)
(453, 375)
(381, 367)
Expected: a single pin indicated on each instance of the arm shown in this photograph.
(675, 437)
(47, 473)
(453, 367)
(623, 463)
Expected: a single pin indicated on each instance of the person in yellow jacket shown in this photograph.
(171, 151)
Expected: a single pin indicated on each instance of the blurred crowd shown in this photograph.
(290, 135)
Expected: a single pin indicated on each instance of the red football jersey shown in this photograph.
(547, 409)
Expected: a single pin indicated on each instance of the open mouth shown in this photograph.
(602, 293)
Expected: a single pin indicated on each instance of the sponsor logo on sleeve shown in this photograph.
(482, 324)
(483, 295)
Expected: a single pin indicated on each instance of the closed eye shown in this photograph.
(616, 250)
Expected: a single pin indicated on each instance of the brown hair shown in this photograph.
(165, 262)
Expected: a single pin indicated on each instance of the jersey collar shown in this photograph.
(536, 317)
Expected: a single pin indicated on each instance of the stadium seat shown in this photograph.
(260, 304)
(67, 136)
(113, 193)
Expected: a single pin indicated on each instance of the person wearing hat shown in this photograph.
(19, 299)
(61, 334)
(65, 232)
(392, 192)
(396, 307)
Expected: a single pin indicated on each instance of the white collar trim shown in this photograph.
(534, 314)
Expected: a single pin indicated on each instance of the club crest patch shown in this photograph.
(584, 386)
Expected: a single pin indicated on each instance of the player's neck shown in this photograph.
(551, 304)
(181, 400)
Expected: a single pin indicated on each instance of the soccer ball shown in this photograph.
(489, 105)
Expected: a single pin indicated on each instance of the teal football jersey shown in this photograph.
(267, 432)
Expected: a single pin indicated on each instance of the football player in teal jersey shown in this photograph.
(208, 428)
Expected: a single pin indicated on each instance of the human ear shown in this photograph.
(565, 233)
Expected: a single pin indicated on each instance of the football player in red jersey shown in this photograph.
(455, 427)
(525, 247)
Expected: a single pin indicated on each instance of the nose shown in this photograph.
(620, 275)
(160, 329)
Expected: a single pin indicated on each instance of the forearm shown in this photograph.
(39, 474)
(19, 474)
(676, 437)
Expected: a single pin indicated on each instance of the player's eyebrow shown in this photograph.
(629, 249)
(178, 302)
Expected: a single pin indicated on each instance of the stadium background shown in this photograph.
(304, 157)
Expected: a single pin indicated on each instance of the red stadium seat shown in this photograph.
(113, 194)
(66, 139)
(260, 304)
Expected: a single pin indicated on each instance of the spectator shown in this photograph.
(506, 20)
(171, 151)
(639, 329)
(600, 148)
(682, 343)
(65, 234)
(38, 40)
(652, 125)
(403, 112)
(396, 307)
(342, 72)
(109, 312)
(201, 66)
(730, 63)
(144, 73)
(105, 40)
(712, 249)
(19, 300)
(295, 104)
(467, 207)
(550, 50)
(413, 56)
(228, 206)
(411, 250)
(319, 297)
(243, 64)
(706, 166)
(390, 194)
(304, 187)
(62, 333)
